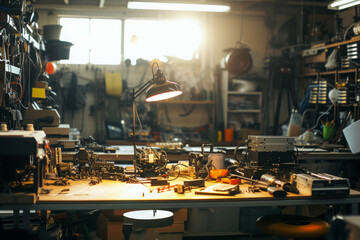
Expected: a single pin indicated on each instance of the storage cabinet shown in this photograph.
(242, 105)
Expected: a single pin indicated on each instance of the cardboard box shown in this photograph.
(108, 230)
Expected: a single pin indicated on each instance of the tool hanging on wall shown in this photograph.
(238, 60)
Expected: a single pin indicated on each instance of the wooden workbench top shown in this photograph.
(108, 191)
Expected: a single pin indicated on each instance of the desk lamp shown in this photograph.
(158, 88)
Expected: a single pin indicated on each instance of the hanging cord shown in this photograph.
(237, 148)
(347, 30)
(142, 131)
(317, 121)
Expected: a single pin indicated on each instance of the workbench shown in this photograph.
(120, 195)
(110, 195)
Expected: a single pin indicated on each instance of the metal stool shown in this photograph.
(145, 219)
(292, 226)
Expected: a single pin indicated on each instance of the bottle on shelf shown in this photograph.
(294, 128)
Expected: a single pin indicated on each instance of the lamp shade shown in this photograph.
(158, 92)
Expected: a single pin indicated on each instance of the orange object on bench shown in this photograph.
(218, 173)
(232, 181)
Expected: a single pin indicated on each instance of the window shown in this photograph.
(160, 39)
(96, 41)
(99, 41)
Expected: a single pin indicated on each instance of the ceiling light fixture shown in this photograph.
(178, 6)
(342, 4)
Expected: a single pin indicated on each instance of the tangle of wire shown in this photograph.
(173, 168)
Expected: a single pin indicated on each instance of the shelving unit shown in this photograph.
(345, 77)
(242, 110)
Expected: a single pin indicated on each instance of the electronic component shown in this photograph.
(23, 158)
(194, 183)
(157, 182)
(198, 167)
(179, 188)
(270, 151)
(220, 189)
(196, 162)
(87, 164)
(320, 184)
(150, 162)
(270, 143)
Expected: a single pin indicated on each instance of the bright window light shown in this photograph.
(76, 31)
(161, 39)
(91, 39)
(105, 35)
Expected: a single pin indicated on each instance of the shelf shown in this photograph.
(245, 111)
(353, 70)
(243, 93)
(328, 73)
(313, 74)
(353, 40)
(313, 50)
(188, 102)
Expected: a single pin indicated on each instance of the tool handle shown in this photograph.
(276, 192)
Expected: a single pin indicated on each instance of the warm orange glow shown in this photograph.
(310, 227)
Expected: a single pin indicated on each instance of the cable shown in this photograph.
(317, 121)
(310, 151)
(18, 85)
(148, 143)
(351, 25)
(173, 169)
(236, 149)
(142, 130)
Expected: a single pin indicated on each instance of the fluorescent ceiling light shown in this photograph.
(178, 7)
(342, 4)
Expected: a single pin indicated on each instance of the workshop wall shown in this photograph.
(221, 31)
(250, 30)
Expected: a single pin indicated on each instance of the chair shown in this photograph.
(292, 226)
(145, 219)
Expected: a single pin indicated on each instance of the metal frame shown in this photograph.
(181, 203)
